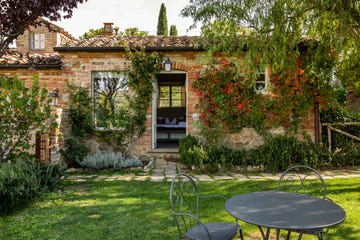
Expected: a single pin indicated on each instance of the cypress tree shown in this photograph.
(173, 30)
(162, 27)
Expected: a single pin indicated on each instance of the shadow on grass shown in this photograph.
(140, 210)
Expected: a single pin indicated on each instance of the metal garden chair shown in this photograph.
(184, 202)
(304, 179)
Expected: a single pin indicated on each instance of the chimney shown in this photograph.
(108, 28)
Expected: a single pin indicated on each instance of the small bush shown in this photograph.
(23, 180)
(115, 161)
(74, 152)
(347, 155)
(280, 152)
(209, 157)
(186, 145)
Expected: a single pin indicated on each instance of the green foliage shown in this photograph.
(23, 180)
(173, 30)
(209, 157)
(348, 154)
(92, 33)
(129, 32)
(22, 111)
(141, 79)
(162, 26)
(80, 111)
(133, 32)
(75, 151)
(280, 152)
(276, 154)
(275, 35)
(335, 113)
(113, 160)
(228, 100)
(185, 144)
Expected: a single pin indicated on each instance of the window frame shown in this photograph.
(182, 98)
(37, 41)
(123, 91)
(258, 72)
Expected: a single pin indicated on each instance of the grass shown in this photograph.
(140, 210)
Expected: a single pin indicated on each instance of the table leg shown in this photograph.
(264, 236)
(277, 234)
(262, 233)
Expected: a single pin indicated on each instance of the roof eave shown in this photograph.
(123, 49)
(28, 66)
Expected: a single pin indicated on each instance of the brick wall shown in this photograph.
(51, 78)
(52, 39)
(78, 67)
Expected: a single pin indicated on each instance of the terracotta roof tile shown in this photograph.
(17, 58)
(136, 42)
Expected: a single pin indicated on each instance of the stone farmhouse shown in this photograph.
(59, 59)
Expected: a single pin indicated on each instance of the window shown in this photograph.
(261, 79)
(171, 96)
(37, 41)
(111, 107)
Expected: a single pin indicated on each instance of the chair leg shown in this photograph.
(300, 235)
(288, 235)
(320, 235)
(241, 234)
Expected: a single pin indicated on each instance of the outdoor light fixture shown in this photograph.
(167, 65)
(54, 95)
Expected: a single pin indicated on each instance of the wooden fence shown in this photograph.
(331, 127)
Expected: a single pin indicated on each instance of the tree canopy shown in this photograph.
(16, 16)
(129, 32)
(275, 29)
(162, 27)
(173, 30)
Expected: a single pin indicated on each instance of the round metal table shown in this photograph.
(285, 210)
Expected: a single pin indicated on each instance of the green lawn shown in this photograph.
(140, 210)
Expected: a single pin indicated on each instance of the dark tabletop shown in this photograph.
(285, 210)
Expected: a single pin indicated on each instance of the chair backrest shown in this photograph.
(184, 202)
(302, 179)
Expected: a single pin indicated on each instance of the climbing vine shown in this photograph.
(141, 78)
(228, 100)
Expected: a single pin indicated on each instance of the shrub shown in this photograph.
(186, 154)
(23, 180)
(74, 152)
(280, 152)
(22, 110)
(209, 157)
(110, 161)
(347, 155)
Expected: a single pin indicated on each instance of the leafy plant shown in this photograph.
(109, 161)
(23, 180)
(80, 111)
(74, 152)
(141, 78)
(23, 110)
(186, 143)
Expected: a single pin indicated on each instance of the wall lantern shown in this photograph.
(167, 65)
(54, 95)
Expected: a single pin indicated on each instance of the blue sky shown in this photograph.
(142, 14)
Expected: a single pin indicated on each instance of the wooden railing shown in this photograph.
(331, 127)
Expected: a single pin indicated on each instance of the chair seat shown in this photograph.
(218, 231)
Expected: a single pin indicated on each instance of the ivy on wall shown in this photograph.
(141, 79)
(228, 100)
(81, 109)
